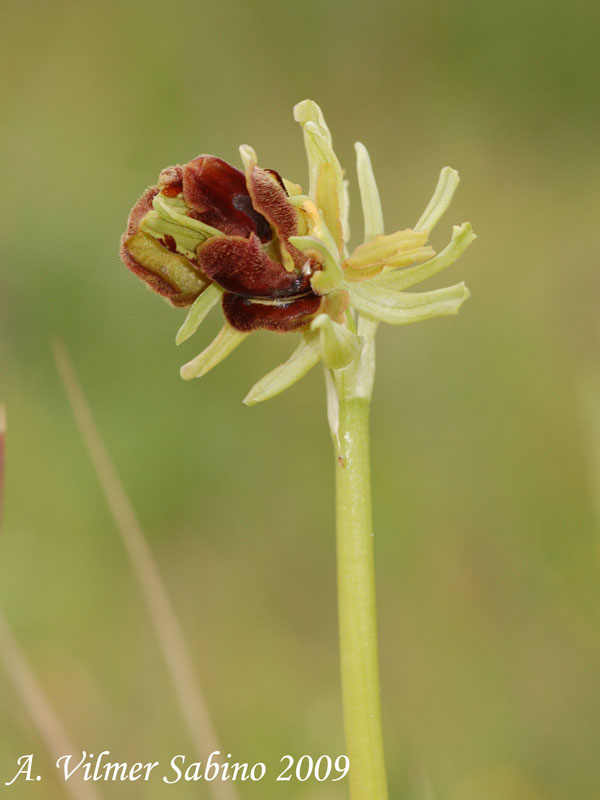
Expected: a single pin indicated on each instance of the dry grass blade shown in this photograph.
(26, 685)
(40, 710)
(2, 439)
(160, 608)
(589, 391)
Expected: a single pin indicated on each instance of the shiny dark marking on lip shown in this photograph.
(248, 315)
(281, 298)
(300, 288)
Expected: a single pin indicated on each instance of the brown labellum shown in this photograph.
(241, 266)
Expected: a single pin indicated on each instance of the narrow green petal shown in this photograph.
(339, 345)
(174, 209)
(306, 355)
(444, 191)
(198, 312)
(325, 173)
(186, 239)
(309, 111)
(369, 194)
(221, 346)
(393, 299)
(403, 309)
(462, 236)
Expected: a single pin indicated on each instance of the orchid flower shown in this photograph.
(277, 259)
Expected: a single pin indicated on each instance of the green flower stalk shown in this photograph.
(277, 258)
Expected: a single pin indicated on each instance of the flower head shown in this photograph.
(277, 258)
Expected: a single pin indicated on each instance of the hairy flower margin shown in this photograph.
(277, 258)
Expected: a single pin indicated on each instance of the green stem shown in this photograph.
(356, 577)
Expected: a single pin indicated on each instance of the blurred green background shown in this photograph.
(486, 530)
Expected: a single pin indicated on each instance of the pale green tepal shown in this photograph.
(354, 292)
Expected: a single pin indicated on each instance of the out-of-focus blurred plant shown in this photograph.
(277, 258)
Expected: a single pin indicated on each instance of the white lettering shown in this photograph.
(67, 759)
(175, 768)
(25, 769)
(96, 775)
(262, 769)
(213, 766)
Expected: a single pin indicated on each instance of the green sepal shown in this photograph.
(172, 268)
(306, 355)
(442, 196)
(403, 308)
(221, 346)
(326, 182)
(198, 312)
(462, 236)
(339, 345)
(369, 194)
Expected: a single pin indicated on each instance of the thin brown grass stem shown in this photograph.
(162, 614)
(589, 392)
(2, 440)
(26, 686)
(40, 710)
